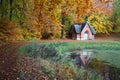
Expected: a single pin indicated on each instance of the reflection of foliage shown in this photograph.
(98, 65)
(115, 73)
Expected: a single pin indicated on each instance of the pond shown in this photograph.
(106, 63)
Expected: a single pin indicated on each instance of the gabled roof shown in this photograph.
(92, 30)
(78, 28)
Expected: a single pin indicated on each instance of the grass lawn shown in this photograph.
(103, 48)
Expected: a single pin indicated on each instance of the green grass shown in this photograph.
(61, 47)
(64, 46)
(68, 46)
(110, 56)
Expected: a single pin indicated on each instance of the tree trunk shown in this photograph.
(11, 10)
(1, 3)
(63, 23)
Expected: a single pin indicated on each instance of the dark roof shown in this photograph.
(83, 25)
(78, 28)
(92, 30)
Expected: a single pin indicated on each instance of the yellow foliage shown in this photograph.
(101, 22)
(44, 20)
(8, 30)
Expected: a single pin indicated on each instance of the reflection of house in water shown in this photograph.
(83, 59)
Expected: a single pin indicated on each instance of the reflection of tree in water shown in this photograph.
(100, 68)
(107, 71)
(96, 65)
(114, 73)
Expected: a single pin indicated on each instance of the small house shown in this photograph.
(82, 31)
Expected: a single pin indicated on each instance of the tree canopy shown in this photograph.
(37, 19)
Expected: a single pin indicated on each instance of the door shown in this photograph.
(86, 36)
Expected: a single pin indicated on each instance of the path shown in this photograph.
(8, 59)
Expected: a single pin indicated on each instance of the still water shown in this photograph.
(105, 63)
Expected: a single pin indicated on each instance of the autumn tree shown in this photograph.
(44, 19)
(100, 22)
(100, 18)
(8, 31)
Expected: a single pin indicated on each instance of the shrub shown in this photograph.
(8, 30)
(39, 50)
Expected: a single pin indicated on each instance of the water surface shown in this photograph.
(106, 63)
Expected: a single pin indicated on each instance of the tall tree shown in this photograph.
(116, 15)
(76, 8)
(84, 7)
(1, 12)
(11, 9)
(44, 18)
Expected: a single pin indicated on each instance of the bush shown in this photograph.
(8, 30)
(39, 50)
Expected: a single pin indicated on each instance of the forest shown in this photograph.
(50, 19)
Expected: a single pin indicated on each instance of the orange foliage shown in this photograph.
(44, 20)
(8, 30)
